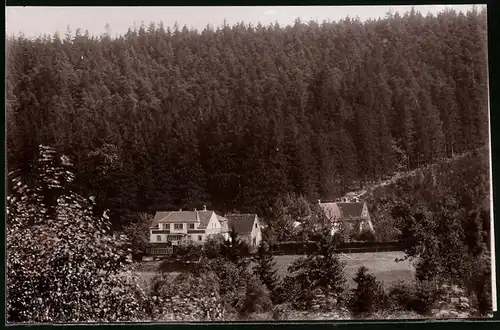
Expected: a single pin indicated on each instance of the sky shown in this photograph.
(36, 21)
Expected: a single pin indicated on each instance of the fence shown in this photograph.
(156, 251)
(293, 248)
(301, 248)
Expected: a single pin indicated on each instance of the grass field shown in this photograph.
(380, 264)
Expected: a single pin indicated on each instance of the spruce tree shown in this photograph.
(321, 271)
(265, 269)
(368, 296)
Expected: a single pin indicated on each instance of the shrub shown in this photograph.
(232, 282)
(257, 298)
(282, 311)
(400, 295)
(212, 248)
(482, 285)
(426, 295)
(186, 297)
(137, 234)
(369, 296)
(236, 250)
(242, 292)
(367, 236)
(72, 270)
(420, 297)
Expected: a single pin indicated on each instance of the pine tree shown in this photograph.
(368, 296)
(251, 112)
(265, 269)
(321, 271)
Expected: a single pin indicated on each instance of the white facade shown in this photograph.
(178, 228)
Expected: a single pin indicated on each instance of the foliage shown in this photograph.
(367, 236)
(137, 234)
(188, 252)
(257, 298)
(444, 220)
(482, 285)
(287, 210)
(236, 116)
(369, 296)
(212, 249)
(345, 233)
(265, 269)
(420, 297)
(186, 297)
(241, 292)
(236, 250)
(72, 270)
(321, 270)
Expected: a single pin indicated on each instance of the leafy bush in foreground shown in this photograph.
(186, 297)
(240, 290)
(420, 297)
(62, 263)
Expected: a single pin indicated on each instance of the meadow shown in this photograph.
(380, 264)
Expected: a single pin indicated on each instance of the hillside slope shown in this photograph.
(464, 178)
(235, 116)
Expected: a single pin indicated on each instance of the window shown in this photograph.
(178, 226)
(191, 226)
(200, 238)
(256, 225)
(158, 238)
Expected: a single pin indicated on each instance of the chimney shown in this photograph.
(319, 201)
(195, 209)
(180, 210)
(204, 207)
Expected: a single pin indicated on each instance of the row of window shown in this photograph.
(177, 226)
(180, 226)
(158, 238)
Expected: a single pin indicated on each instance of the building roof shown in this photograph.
(224, 223)
(351, 210)
(347, 210)
(241, 223)
(202, 217)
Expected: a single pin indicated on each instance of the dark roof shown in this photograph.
(351, 210)
(241, 223)
(204, 217)
(224, 223)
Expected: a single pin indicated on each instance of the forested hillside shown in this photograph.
(236, 116)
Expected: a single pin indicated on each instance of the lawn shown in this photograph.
(381, 264)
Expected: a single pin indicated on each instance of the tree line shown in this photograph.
(234, 117)
(78, 272)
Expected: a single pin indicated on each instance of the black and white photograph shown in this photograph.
(257, 164)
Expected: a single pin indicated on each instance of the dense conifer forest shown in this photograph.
(235, 116)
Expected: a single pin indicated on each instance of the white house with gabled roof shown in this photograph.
(187, 227)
